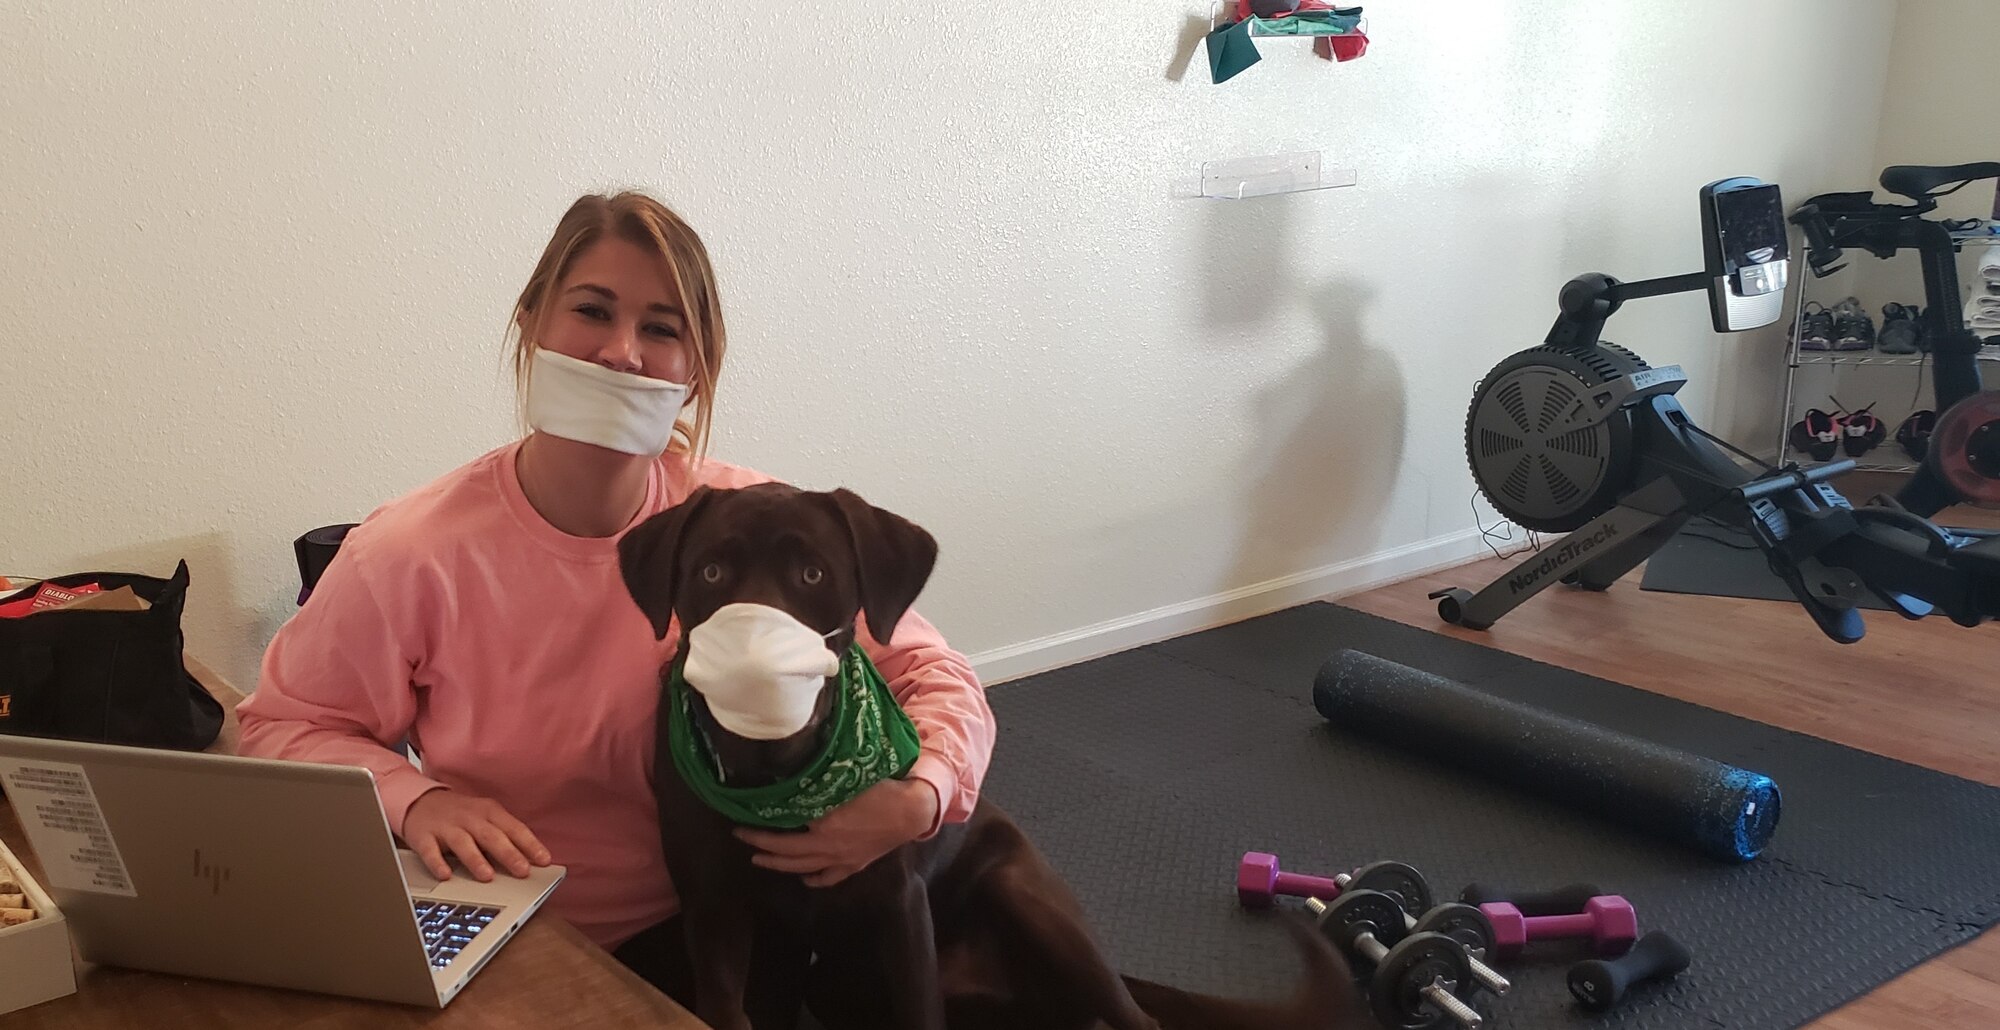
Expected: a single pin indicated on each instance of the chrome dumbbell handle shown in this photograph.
(1488, 978)
(1370, 948)
(1435, 993)
(1449, 1004)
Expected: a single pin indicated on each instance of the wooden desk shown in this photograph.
(548, 977)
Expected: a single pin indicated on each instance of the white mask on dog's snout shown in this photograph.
(759, 669)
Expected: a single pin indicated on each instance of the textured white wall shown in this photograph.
(255, 261)
(1936, 110)
(1937, 105)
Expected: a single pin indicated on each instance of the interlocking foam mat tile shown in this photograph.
(1145, 775)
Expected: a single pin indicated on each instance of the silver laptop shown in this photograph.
(252, 870)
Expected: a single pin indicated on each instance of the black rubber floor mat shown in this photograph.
(1719, 561)
(1144, 776)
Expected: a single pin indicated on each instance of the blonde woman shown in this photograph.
(483, 617)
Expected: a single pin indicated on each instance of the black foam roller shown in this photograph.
(1717, 809)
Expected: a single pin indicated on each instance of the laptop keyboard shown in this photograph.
(449, 928)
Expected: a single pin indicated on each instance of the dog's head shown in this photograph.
(823, 558)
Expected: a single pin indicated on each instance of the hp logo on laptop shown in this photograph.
(215, 875)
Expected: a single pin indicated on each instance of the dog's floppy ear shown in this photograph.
(649, 559)
(892, 556)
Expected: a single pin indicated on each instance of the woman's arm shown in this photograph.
(335, 686)
(936, 685)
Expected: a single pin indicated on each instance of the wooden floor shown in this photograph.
(1924, 692)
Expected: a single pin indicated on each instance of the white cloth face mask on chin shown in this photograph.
(759, 669)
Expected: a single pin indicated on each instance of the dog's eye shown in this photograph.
(812, 575)
(711, 573)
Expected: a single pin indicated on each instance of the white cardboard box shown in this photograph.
(35, 961)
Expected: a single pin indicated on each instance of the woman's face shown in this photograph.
(616, 307)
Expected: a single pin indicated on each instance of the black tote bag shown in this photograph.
(113, 677)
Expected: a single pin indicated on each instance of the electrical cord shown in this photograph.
(1487, 535)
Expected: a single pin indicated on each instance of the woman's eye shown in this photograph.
(711, 573)
(594, 312)
(812, 575)
(665, 332)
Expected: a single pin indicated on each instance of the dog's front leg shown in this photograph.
(720, 937)
(707, 866)
(878, 951)
(910, 947)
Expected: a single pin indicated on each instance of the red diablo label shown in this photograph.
(51, 595)
(48, 596)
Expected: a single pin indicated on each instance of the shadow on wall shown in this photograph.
(1186, 48)
(1330, 443)
(1330, 432)
(1250, 274)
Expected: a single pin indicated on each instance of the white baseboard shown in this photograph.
(1366, 573)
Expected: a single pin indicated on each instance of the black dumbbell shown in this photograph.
(1469, 927)
(1600, 984)
(1462, 923)
(1559, 902)
(1399, 880)
(1421, 981)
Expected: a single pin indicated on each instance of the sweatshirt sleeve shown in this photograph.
(944, 698)
(336, 686)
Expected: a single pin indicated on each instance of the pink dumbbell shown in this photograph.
(1608, 920)
(1259, 883)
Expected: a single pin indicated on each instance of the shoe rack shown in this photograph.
(1896, 396)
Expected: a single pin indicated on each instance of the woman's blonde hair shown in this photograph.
(636, 218)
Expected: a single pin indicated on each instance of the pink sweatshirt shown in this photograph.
(514, 660)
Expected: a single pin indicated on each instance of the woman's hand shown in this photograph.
(846, 840)
(477, 830)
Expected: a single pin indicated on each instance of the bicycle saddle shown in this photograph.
(1920, 182)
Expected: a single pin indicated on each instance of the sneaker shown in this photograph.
(1914, 435)
(1902, 330)
(1852, 328)
(1860, 431)
(1816, 434)
(1814, 329)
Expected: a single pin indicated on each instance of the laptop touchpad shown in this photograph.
(419, 878)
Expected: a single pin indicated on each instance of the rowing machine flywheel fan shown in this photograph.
(1965, 449)
(1531, 470)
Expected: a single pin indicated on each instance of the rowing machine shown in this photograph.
(1581, 436)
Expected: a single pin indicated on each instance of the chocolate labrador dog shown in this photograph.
(970, 929)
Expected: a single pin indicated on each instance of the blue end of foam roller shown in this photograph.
(1756, 815)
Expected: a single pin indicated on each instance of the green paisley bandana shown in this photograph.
(871, 740)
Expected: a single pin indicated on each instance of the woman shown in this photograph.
(483, 617)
